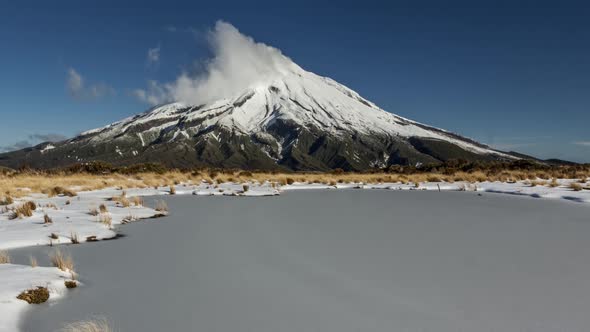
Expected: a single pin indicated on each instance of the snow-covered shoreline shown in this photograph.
(72, 218)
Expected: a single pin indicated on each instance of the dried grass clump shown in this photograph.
(105, 219)
(34, 296)
(161, 206)
(576, 186)
(137, 201)
(103, 208)
(61, 260)
(553, 183)
(74, 238)
(245, 187)
(172, 190)
(7, 200)
(125, 202)
(4, 257)
(24, 210)
(70, 284)
(95, 325)
(56, 191)
(33, 261)
(47, 219)
(289, 181)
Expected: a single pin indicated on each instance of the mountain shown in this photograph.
(293, 120)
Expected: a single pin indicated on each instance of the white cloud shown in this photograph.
(78, 89)
(582, 143)
(153, 55)
(238, 62)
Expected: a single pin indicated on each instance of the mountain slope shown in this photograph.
(294, 120)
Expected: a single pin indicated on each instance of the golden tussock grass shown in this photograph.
(61, 260)
(94, 325)
(137, 201)
(14, 185)
(24, 210)
(56, 191)
(103, 208)
(7, 200)
(105, 219)
(576, 186)
(4, 257)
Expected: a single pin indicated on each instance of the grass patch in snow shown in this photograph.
(35, 296)
(4, 257)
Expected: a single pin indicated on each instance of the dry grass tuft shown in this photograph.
(61, 260)
(6, 200)
(56, 191)
(137, 201)
(576, 186)
(105, 219)
(24, 210)
(35, 296)
(161, 206)
(4, 257)
(103, 208)
(33, 261)
(245, 187)
(47, 219)
(95, 325)
(70, 284)
(74, 238)
(172, 190)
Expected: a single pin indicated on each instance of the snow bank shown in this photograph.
(17, 278)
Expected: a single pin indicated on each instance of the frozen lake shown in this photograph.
(346, 260)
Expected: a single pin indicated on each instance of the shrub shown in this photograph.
(172, 190)
(61, 260)
(4, 257)
(47, 219)
(96, 325)
(36, 295)
(102, 208)
(246, 187)
(290, 181)
(54, 236)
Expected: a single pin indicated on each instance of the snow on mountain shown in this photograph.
(255, 108)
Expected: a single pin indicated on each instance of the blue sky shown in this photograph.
(514, 74)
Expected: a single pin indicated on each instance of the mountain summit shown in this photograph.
(254, 108)
(297, 120)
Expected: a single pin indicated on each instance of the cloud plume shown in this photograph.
(238, 62)
(78, 89)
